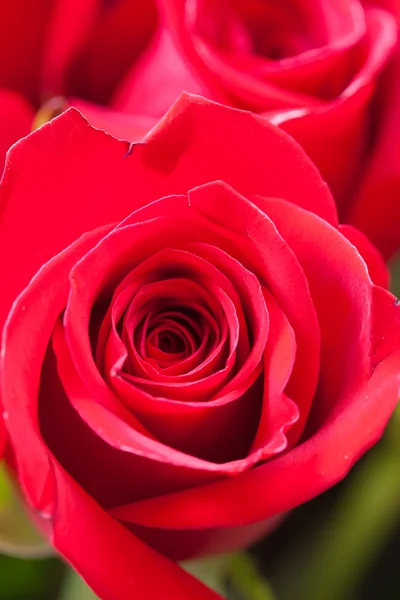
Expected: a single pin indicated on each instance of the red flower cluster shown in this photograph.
(327, 72)
(82, 50)
(192, 344)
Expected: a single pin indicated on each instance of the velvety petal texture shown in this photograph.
(191, 345)
(325, 71)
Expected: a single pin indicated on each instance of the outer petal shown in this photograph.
(342, 300)
(197, 142)
(118, 34)
(121, 125)
(334, 138)
(336, 134)
(377, 268)
(78, 527)
(376, 209)
(194, 543)
(16, 118)
(68, 25)
(23, 25)
(158, 79)
(242, 149)
(114, 562)
(19, 393)
(41, 212)
(90, 44)
(260, 91)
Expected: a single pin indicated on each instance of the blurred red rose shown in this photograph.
(197, 346)
(326, 71)
(80, 49)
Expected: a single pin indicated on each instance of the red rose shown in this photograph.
(81, 49)
(322, 70)
(210, 353)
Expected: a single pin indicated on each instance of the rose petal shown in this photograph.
(335, 135)
(16, 120)
(117, 38)
(247, 87)
(206, 377)
(157, 80)
(279, 412)
(342, 300)
(37, 165)
(295, 477)
(68, 25)
(36, 314)
(189, 544)
(103, 541)
(23, 27)
(377, 268)
(382, 174)
(119, 124)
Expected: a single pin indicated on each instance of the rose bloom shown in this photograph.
(194, 345)
(327, 71)
(79, 48)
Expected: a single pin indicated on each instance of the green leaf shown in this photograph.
(211, 571)
(394, 267)
(236, 573)
(76, 589)
(18, 535)
(29, 579)
(246, 579)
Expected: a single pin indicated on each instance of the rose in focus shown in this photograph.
(192, 344)
(81, 50)
(326, 71)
